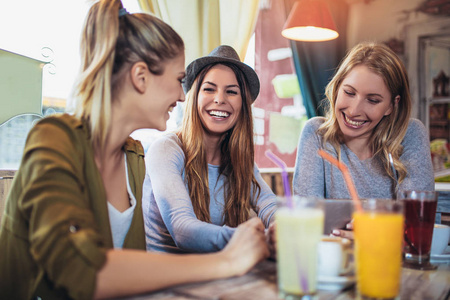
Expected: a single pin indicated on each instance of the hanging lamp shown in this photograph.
(310, 21)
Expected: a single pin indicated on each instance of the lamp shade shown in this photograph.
(310, 21)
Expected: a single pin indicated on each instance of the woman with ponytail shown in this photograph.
(73, 226)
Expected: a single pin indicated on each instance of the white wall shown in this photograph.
(381, 20)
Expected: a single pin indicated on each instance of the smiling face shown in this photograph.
(219, 100)
(363, 99)
(164, 92)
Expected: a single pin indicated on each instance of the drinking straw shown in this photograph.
(348, 179)
(284, 175)
(301, 272)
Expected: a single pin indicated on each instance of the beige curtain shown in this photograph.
(206, 24)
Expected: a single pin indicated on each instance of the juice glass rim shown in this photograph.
(300, 202)
(385, 206)
(418, 195)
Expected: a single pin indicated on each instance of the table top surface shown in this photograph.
(261, 283)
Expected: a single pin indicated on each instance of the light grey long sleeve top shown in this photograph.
(170, 221)
(313, 176)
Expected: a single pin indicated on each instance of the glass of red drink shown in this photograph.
(420, 212)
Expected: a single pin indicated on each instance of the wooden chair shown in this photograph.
(275, 181)
(6, 178)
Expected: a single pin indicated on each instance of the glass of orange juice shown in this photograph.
(378, 232)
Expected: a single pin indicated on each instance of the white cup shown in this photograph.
(335, 256)
(441, 238)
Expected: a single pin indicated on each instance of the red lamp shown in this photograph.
(310, 21)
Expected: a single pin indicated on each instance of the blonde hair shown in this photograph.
(110, 45)
(388, 135)
(237, 156)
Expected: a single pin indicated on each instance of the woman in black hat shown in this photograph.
(202, 181)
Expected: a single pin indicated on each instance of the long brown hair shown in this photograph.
(110, 45)
(388, 135)
(237, 156)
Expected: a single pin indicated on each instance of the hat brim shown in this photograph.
(194, 68)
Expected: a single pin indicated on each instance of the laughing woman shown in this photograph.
(368, 119)
(202, 181)
(72, 226)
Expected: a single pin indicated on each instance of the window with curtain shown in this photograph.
(39, 58)
(206, 24)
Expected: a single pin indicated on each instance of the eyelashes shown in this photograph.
(371, 100)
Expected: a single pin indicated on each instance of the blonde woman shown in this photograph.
(202, 181)
(73, 226)
(368, 119)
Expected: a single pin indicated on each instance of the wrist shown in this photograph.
(225, 264)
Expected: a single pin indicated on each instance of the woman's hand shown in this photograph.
(247, 246)
(348, 234)
(129, 272)
(271, 240)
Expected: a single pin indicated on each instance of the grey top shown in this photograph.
(313, 176)
(170, 221)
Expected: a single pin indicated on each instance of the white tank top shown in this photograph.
(121, 221)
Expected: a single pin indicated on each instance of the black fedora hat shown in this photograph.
(222, 53)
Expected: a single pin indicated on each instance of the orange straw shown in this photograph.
(348, 179)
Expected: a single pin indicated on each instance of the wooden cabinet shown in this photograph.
(434, 104)
(439, 124)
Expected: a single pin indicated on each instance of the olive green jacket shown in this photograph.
(55, 230)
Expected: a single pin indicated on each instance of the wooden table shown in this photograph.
(261, 283)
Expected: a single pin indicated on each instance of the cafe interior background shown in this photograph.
(39, 60)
